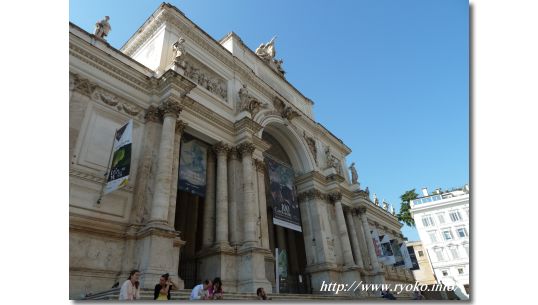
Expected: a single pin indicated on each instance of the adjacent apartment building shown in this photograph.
(442, 221)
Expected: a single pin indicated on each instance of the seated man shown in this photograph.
(200, 292)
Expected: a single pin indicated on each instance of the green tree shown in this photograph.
(405, 213)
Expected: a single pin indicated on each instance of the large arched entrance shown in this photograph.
(277, 159)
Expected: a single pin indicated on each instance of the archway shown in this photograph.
(286, 154)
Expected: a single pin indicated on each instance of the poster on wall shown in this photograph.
(192, 166)
(398, 256)
(376, 242)
(286, 211)
(387, 256)
(118, 175)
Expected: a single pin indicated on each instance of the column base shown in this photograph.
(351, 276)
(159, 246)
(251, 272)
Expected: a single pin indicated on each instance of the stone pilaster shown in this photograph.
(209, 204)
(260, 169)
(342, 230)
(353, 238)
(221, 239)
(362, 239)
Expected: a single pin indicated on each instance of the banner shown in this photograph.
(118, 175)
(286, 211)
(398, 256)
(192, 166)
(387, 251)
(406, 256)
(377, 244)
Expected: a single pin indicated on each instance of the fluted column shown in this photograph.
(209, 203)
(342, 230)
(249, 238)
(161, 198)
(353, 238)
(221, 150)
(369, 241)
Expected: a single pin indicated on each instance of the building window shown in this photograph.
(439, 254)
(427, 221)
(420, 253)
(447, 235)
(455, 216)
(454, 252)
(441, 218)
(445, 272)
(433, 236)
(461, 271)
(462, 232)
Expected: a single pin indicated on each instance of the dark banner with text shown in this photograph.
(192, 166)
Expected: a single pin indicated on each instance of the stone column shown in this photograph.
(232, 196)
(369, 241)
(353, 238)
(362, 239)
(221, 150)
(209, 203)
(161, 198)
(249, 238)
(180, 127)
(342, 230)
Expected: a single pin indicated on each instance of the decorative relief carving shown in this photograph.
(170, 106)
(206, 78)
(284, 110)
(152, 114)
(180, 52)
(332, 161)
(83, 86)
(233, 154)
(361, 210)
(312, 146)
(249, 103)
(267, 53)
(130, 109)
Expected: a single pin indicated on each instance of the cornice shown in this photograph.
(247, 124)
(207, 115)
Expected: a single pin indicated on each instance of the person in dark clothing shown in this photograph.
(387, 295)
(162, 290)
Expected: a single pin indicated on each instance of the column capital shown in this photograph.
(335, 196)
(361, 210)
(311, 194)
(170, 107)
(152, 114)
(180, 127)
(260, 165)
(246, 148)
(233, 154)
(221, 149)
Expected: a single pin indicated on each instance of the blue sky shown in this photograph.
(390, 78)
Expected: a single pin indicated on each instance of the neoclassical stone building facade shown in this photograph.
(176, 82)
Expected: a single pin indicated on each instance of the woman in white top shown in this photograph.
(130, 290)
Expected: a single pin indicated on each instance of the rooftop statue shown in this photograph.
(102, 28)
(267, 52)
(354, 174)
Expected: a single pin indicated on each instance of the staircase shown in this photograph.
(183, 294)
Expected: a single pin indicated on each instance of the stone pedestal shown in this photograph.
(251, 272)
(159, 248)
(219, 262)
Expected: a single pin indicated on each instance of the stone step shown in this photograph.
(184, 294)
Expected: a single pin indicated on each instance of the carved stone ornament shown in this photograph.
(290, 114)
(83, 86)
(233, 154)
(179, 52)
(206, 78)
(221, 149)
(170, 106)
(248, 103)
(246, 148)
(312, 146)
(361, 210)
(335, 196)
(311, 194)
(180, 127)
(267, 53)
(260, 165)
(107, 98)
(285, 111)
(152, 114)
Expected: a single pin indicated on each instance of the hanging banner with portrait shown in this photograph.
(286, 211)
(192, 166)
(118, 175)
(398, 256)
